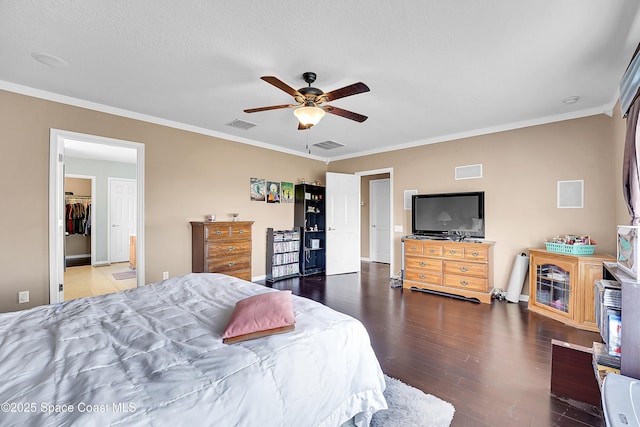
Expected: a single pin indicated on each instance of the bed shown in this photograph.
(153, 356)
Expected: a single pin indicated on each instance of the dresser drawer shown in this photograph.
(215, 231)
(413, 247)
(465, 282)
(432, 249)
(230, 248)
(420, 263)
(480, 253)
(228, 265)
(453, 251)
(466, 268)
(241, 230)
(431, 277)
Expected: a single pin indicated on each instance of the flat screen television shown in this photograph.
(448, 215)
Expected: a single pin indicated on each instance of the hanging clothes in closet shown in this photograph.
(78, 215)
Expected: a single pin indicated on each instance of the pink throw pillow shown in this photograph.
(260, 315)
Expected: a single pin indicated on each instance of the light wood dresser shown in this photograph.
(454, 268)
(222, 247)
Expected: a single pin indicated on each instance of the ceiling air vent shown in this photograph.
(241, 124)
(328, 145)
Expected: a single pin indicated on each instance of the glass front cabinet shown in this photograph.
(561, 286)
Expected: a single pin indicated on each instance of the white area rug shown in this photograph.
(409, 406)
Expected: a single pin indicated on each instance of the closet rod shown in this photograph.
(70, 196)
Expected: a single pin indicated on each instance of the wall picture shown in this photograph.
(273, 192)
(258, 189)
(286, 191)
(628, 250)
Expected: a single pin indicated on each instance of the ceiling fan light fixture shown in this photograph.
(309, 116)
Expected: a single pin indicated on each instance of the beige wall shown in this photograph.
(520, 173)
(187, 176)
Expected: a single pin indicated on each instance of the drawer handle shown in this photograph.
(452, 251)
(464, 282)
(432, 251)
(230, 264)
(231, 248)
(241, 231)
(422, 276)
(464, 269)
(423, 264)
(413, 249)
(218, 232)
(475, 253)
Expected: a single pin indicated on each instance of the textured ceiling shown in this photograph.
(437, 70)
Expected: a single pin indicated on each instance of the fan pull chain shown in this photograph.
(308, 136)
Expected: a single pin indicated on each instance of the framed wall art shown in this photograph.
(257, 189)
(273, 192)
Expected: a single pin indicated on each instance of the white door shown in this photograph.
(379, 214)
(122, 217)
(343, 223)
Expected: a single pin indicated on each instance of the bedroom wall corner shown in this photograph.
(521, 168)
(187, 176)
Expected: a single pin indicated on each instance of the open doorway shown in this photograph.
(74, 154)
(377, 216)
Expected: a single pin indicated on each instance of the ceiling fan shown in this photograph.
(309, 109)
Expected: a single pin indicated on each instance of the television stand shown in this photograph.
(461, 269)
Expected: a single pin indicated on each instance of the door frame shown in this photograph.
(371, 216)
(56, 205)
(109, 201)
(392, 264)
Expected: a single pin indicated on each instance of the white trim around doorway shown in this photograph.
(56, 205)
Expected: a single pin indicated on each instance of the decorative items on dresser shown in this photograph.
(222, 247)
(461, 269)
(561, 286)
(309, 215)
(283, 254)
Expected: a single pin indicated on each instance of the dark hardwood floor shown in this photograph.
(492, 362)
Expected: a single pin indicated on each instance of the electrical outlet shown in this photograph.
(23, 296)
(165, 275)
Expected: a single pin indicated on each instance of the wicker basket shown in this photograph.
(561, 248)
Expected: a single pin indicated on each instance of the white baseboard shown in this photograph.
(258, 278)
(524, 298)
(365, 259)
(77, 256)
(101, 263)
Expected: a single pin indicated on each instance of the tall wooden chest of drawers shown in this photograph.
(456, 268)
(222, 247)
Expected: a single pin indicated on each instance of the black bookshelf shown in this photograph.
(309, 215)
(283, 254)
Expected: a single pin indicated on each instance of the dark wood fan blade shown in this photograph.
(273, 107)
(281, 85)
(303, 127)
(353, 89)
(344, 113)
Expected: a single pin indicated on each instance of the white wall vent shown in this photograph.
(469, 172)
(571, 194)
(328, 145)
(241, 124)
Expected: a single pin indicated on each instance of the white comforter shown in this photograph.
(154, 356)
